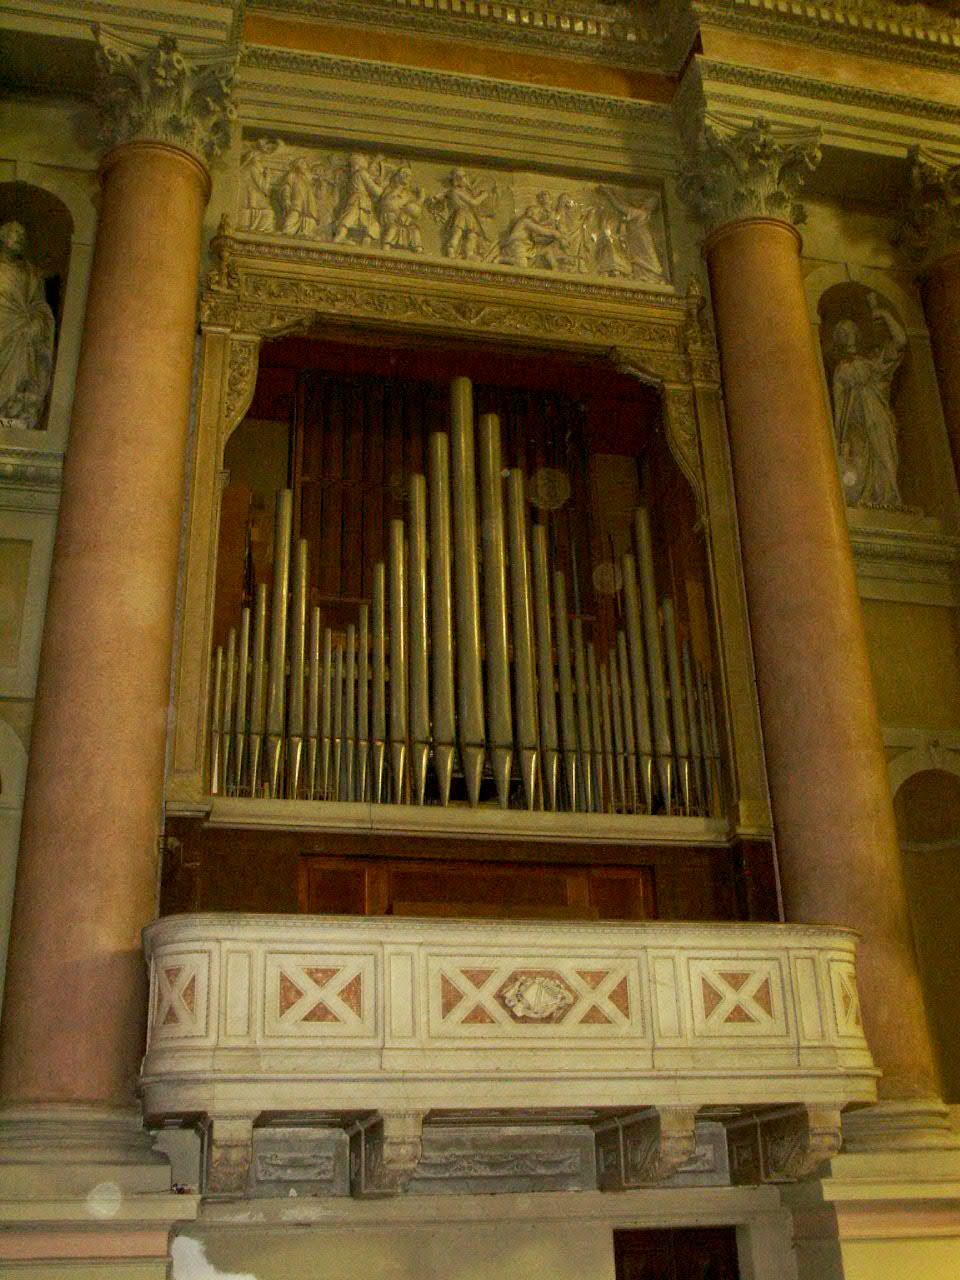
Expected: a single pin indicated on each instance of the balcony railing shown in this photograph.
(375, 1026)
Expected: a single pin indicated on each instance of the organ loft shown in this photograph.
(479, 681)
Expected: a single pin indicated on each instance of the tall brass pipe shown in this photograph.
(629, 733)
(278, 638)
(697, 788)
(258, 704)
(495, 616)
(378, 721)
(419, 637)
(638, 680)
(313, 704)
(549, 742)
(349, 714)
(619, 741)
(714, 725)
(568, 716)
(582, 685)
(326, 716)
(243, 680)
(398, 660)
(677, 708)
(336, 699)
(229, 682)
(298, 667)
(363, 700)
(524, 669)
(216, 718)
(441, 613)
(596, 732)
(466, 564)
(663, 743)
(606, 725)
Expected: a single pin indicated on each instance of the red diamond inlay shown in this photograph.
(619, 997)
(290, 993)
(763, 998)
(320, 1013)
(322, 975)
(593, 977)
(189, 993)
(450, 996)
(352, 994)
(739, 1014)
(735, 978)
(711, 996)
(478, 1014)
(595, 1014)
(477, 976)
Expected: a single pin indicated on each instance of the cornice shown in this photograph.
(829, 91)
(34, 469)
(902, 33)
(186, 19)
(476, 88)
(613, 33)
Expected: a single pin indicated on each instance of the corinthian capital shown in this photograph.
(161, 94)
(931, 223)
(748, 171)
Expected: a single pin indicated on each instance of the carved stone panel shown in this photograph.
(566, 226)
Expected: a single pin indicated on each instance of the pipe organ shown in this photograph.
(470, 674)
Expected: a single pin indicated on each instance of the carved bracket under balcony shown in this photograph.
(645, 1149)
(783, 1145)
(384, 1152)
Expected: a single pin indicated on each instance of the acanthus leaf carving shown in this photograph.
(747, 171)
(645, 1149)
(783, 1145)
(930, 227)
(385, 1152)
(241, 380)
(160, 93)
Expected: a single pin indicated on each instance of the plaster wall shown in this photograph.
(915, 655)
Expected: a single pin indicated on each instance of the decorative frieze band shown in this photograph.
(160, 93)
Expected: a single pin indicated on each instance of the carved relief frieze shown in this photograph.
(753, 170)
(385, 1152)
(527, 221)
(161, 93)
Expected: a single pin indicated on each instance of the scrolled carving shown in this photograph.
(784, 1145)
(930, 226)
(223, 276)
(241, 380)
(645, 1149)
(159, 92)
(748, 171)
(385, 1153)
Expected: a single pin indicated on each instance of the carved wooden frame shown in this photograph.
(260, 289)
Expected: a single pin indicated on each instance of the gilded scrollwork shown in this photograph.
(241, 380)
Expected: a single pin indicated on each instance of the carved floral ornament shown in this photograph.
(748, 171)
(161, 93)
(931, 224)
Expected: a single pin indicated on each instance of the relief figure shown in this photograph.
(357, 217)
(627, 246)
(401, 207)
(257, 211)
(299, 205)
(534, 239)
(460, 210)
(864, 420)
(26, 332)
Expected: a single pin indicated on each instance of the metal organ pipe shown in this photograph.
(382, 708)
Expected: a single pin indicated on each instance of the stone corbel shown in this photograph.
(783, 1145)
(243, 364)
(384, 1152)
(228, 1146)
(645, 1149)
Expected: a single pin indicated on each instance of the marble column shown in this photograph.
(832, 808)
(930, 232)
(72, 1029)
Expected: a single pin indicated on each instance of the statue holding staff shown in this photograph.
(26, 332)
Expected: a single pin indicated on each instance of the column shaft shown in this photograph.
(830, 796)
(941, 303)
(86, 883)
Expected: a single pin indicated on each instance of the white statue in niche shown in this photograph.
(864, 420)
(460, 210)
(26, 333)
